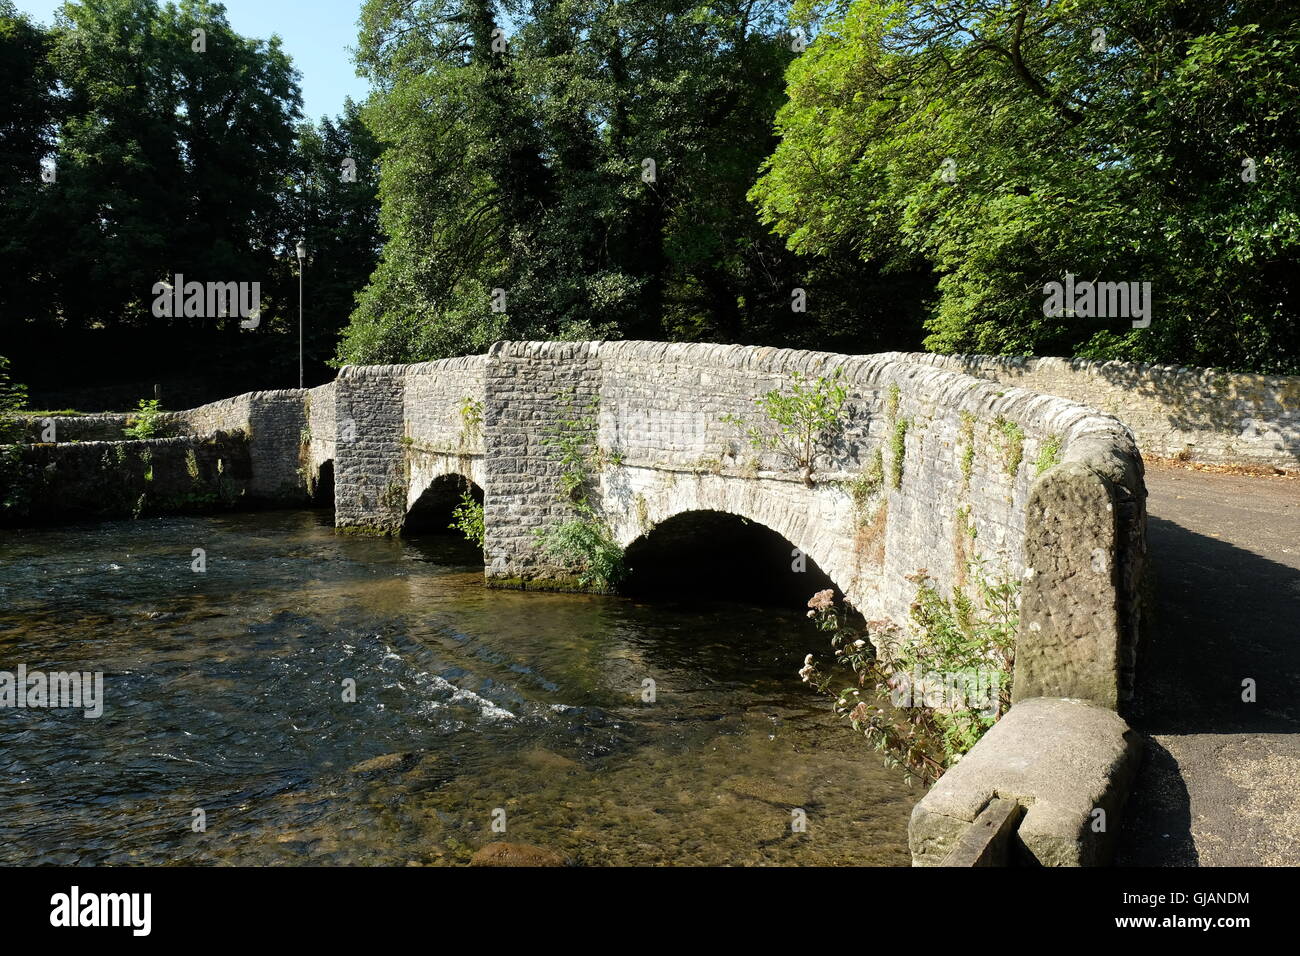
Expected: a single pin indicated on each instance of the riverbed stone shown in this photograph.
(1062, 760)
(382, 763)
(768, 791)
(516, 854)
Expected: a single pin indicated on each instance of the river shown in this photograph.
(224, 693)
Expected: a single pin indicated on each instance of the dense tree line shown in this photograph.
(1006, 143)
(842, 174)
(590, 159)
(133, 148)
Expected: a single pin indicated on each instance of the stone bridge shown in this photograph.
(936, 471)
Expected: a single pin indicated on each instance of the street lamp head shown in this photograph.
(301, 248)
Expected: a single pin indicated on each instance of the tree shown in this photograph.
(28, 114)
(594, 169)
(1007, 142)
(333, 203)
(171, 158)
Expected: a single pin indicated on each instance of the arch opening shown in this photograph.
(433, 512)
(717, 555)
(322, 492)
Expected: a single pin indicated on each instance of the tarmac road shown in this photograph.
(1220, 777)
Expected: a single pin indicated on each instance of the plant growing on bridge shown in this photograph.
(471, 420)
(963, 642)
(1049, 454)
(572, 440)
(801, 422)
(586, 544)
(144, 423)
(585, 541)
(1013, 444)
(970, 634)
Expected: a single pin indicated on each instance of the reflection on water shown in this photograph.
(224, 692)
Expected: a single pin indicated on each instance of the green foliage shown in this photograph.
(801, 422)
(1012, 437)
(1049, 454)
(969, 638)
(173, 161)
(966, 435)
(28, 113)
(168, 161)
(144, 423)
(585, 541)
(586, 544)
(471, 420)
(572, 440)
(966, 635)
(13, 395)
(338, 219)
(866, 486)
(520, 169)
(898, 451)
(467, 518)
(994, 143)
(13, 399)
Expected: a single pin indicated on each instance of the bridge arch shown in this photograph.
(321, 486)
(431, 510)
(761, 529)
(716, 554)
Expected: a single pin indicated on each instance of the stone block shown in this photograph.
(1063, 760)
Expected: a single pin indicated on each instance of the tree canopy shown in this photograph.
(1008, 142)
(519, 142)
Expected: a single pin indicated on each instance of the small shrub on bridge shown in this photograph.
(584, 542)
(144, 424)
(801, 422)
(467, 518)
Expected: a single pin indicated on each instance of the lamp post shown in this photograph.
(301, 248)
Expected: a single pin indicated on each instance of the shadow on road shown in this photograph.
(1219, 615)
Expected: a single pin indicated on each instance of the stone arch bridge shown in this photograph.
(934, 470)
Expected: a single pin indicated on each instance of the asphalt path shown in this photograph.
(1220, 778)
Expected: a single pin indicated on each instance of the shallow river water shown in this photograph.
(224, 693)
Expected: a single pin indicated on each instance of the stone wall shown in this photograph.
(1195, 413)
(122, 479)
(104, 427)
(283, 461)
(444, 422)
(530, 389)
(370, 460)
(323, 431)
(936, 470)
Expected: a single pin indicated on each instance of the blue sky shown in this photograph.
(318, 34)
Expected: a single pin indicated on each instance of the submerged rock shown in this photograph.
(381, 763)
(768, 792)
(516, 854)
(543, 759)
